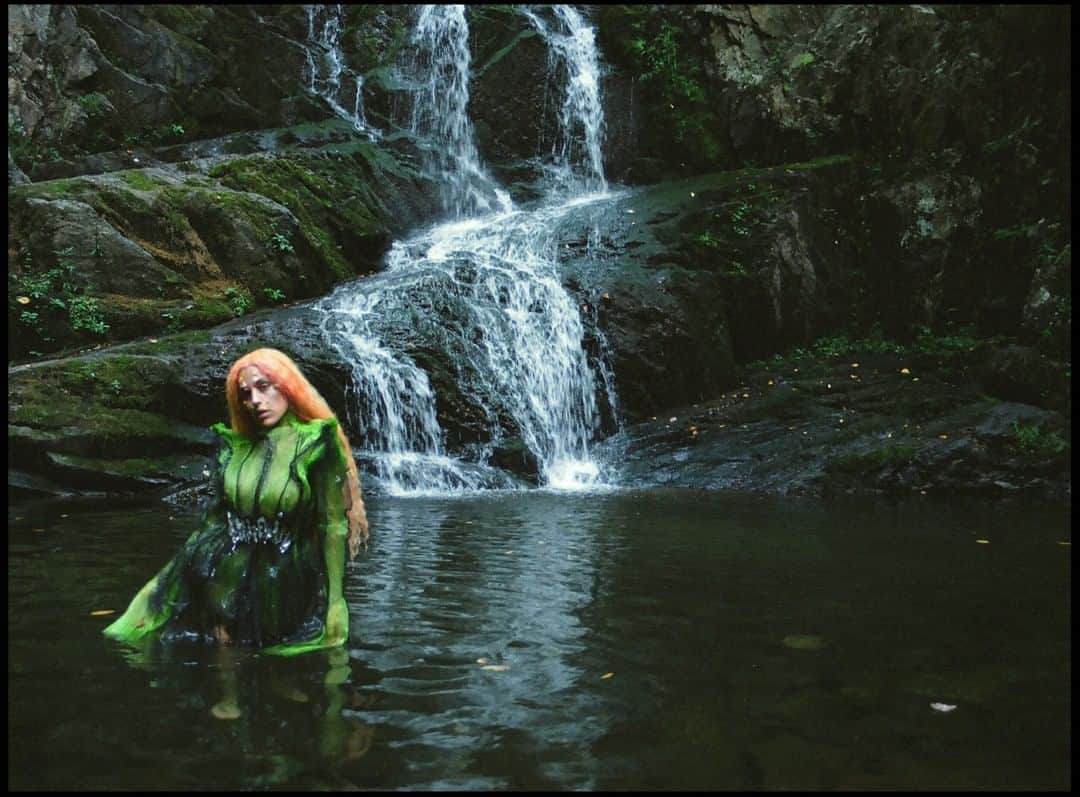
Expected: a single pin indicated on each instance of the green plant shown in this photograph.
(740, 221)
(239, 302)
(274, 295)
(84, 313)
(1032, 441)
(280, 242)
(94, 104)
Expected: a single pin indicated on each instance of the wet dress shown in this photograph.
(267, 562)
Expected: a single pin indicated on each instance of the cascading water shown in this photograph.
(572, 51)
(440, 119)
(326, 65)
(481, 296)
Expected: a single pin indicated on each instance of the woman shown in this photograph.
(266, 567)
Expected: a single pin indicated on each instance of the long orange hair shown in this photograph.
(307, 404)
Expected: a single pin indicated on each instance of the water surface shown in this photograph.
(627, 640)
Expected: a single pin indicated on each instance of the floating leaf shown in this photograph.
(496, 667)
(983, 542)
(102, 612)
(905, 371)
(22, 299)
(943, 707)
(1063, 542)
(606, 676)
(481, 660)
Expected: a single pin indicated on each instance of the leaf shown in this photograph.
(496, 667)
(983, 542)
(905, 371)
(606, 675)
(102, 612)
(942, 707)
(22, 299)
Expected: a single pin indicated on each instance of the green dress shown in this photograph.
(267, 562)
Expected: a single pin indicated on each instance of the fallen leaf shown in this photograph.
(102, 612)
(481, 660)
(905, 371)
(1063, 542)
(943, 707)
(496, 667)
(606, 675)
(854, 365)
(22, 299)
(943, 436)
(983, 542)
(39, 531)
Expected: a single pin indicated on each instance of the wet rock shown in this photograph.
(819, 430)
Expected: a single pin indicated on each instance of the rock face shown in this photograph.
(802, 176)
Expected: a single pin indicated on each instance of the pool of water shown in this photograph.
(627, 640)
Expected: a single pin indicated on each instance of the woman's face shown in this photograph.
(261, 397)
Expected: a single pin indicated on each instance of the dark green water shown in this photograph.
(753, 643)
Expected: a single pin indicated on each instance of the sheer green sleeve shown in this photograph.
(153, 604)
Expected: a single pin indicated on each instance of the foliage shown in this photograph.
(43, 299)
(1031, 441)
(274, 295)
(280, 242)
(664, 59)
(95, 104)
(239, 301)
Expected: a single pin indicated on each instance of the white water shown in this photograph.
(327, 73)
(480, 294)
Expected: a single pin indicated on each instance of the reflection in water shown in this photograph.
(747, 643)
(496, 606)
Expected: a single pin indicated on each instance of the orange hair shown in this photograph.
(307, 404)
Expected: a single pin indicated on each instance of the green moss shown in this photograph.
(504, 51)
(308, 190)
(56, 188)
(139, 180)
(892, 455)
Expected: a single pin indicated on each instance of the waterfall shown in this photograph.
(326, 65)
(440, 117)
(572, 50)
(478, 299)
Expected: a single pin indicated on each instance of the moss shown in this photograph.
(139, 180)
(51, 189)
(504, 51)
(308, 190)
(893, 455)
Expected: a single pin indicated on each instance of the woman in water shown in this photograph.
(266, 567)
